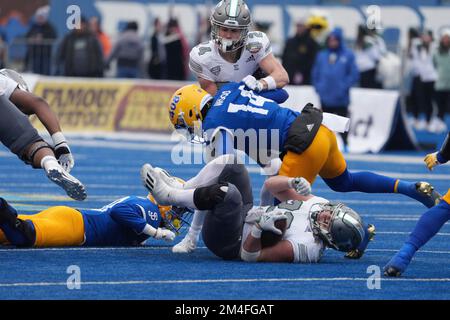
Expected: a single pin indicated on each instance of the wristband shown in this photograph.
(440, 158)
(256, 232)
(250, 256)
(271, 83)
(58, 138)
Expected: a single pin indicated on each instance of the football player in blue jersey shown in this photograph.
(237, 118)
(129, 221)
(429, 223)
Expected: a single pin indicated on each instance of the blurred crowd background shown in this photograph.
(419, 68)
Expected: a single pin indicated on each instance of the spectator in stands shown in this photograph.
(422, 56)
(40, 39)
(80, 53)
(2, 52)
(96, 28)
(129, 52)
(204, 29)
(334, 73)
(299, 54)
(157, 64)
(441, 60)
(411, 77)
(176, 51)
(369, 49)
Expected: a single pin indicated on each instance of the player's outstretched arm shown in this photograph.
(277, 75)
(286, 188)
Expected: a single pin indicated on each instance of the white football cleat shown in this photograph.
(187, 245)
(156, 185)
(71, 185)
(172, 181)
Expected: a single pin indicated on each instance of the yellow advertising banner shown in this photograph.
(107, 105)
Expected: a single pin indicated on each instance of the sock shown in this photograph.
(182, 198)
(49, 162)
(409, 189)
(197, 224)
(367, 182)
(429, 224)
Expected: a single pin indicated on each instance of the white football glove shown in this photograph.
(62, 151)
(301, 186)
(267, 221)
(165, 234)
(253, 84)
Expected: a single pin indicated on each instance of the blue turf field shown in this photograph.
(110, 169)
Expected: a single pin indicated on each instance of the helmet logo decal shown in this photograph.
(173, 106)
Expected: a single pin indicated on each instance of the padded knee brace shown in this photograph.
(206, 198)
(28, 157)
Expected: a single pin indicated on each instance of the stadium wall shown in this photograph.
(114, 105)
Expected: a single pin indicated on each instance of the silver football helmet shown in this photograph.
(16, 77)
(232, 14)
(341, 229)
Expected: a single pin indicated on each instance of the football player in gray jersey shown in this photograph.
(233, 229)
(235, 53)
(19, 136)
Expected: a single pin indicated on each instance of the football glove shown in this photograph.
(253, 84)
(267, 221)
(301, 186)
(359, 252)
(431, 160)
(165, 234)
(62, 151)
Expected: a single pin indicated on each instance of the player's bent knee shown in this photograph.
(206, 198)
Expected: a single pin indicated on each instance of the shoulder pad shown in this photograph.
(256, 41)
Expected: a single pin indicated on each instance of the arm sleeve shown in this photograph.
(444, 153)
(277, 95)
(129, 216)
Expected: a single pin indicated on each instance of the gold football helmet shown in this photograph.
(185, 108)
(173, 217)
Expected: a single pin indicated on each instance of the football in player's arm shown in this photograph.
(311, 224)
(232, 229)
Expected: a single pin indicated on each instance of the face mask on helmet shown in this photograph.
(338, 226)
(232, 15)
(16, 77)
(174, 218)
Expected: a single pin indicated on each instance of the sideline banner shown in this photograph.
(372, 115)
(93, 105)
(106, 105)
